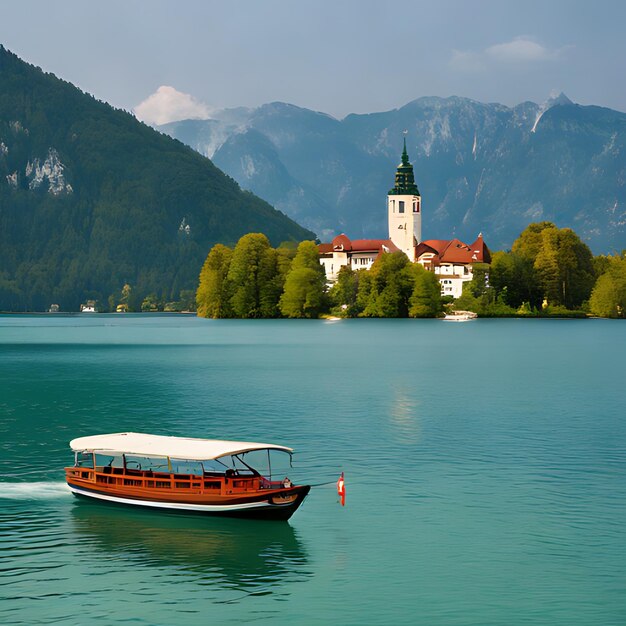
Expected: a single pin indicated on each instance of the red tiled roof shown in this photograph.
(444, 250)
(438, 245)
(367, 245)
(392, 246)
(455, 251)
(341, 242)
(425, 248)
(480, 249)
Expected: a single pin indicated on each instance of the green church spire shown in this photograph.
(405, 155)
(405, 180)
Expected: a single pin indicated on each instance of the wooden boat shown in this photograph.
(208, 476)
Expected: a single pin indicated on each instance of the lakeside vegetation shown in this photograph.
(549, 272)
(257, 281)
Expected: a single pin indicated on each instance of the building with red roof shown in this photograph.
(358, 254)
(451, 259)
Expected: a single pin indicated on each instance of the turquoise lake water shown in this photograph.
(485, 471)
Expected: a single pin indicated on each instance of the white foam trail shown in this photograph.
(33, 491)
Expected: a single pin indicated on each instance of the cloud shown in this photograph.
(167, 104)
(521, 50)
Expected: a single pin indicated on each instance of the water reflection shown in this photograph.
(249, 556)
(403, 411)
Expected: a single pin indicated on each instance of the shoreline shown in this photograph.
(582, 316)
(74, 313)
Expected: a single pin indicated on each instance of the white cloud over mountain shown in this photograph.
(167, 104)
(521, 50)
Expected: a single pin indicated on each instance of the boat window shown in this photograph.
(271, 464)
(214, 466)
(280, 464)
(186, 467)
(107, 460)
(239, 464)
(145, 463)
(84, 459)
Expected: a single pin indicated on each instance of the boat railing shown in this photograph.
(151, 480)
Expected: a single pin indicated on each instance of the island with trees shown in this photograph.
(548, 272)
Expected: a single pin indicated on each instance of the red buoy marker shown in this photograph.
(341, 489)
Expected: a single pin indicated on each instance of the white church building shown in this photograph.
(451, 259)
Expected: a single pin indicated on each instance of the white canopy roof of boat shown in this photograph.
(184, 448)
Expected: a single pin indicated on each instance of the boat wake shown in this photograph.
(34, 491)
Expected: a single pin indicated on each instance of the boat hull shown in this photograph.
(272, 505)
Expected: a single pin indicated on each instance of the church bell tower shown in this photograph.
(404, 209)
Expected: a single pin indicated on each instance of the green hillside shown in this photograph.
(91, 199)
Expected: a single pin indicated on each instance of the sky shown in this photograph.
(174, 60)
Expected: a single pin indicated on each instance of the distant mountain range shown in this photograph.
(479, 167)
(91, 199)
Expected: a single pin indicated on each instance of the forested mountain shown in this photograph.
(479, 167)
(92, 199)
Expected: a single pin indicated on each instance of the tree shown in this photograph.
(547, 267)
(608, 298)
(303, 295)
(343, 294)
(389, 287)
(150, 304)
(187, 300)
(284, 258)
(126, 293)
(481, 297)
(425, 300)
(563, 265)
(120, 300)
(512, 275)
(479, 285)
(212, 296)
(270, 284)
(601, 264)
(305, 285)
(252, 278)
(365, 285)
(529, 243)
